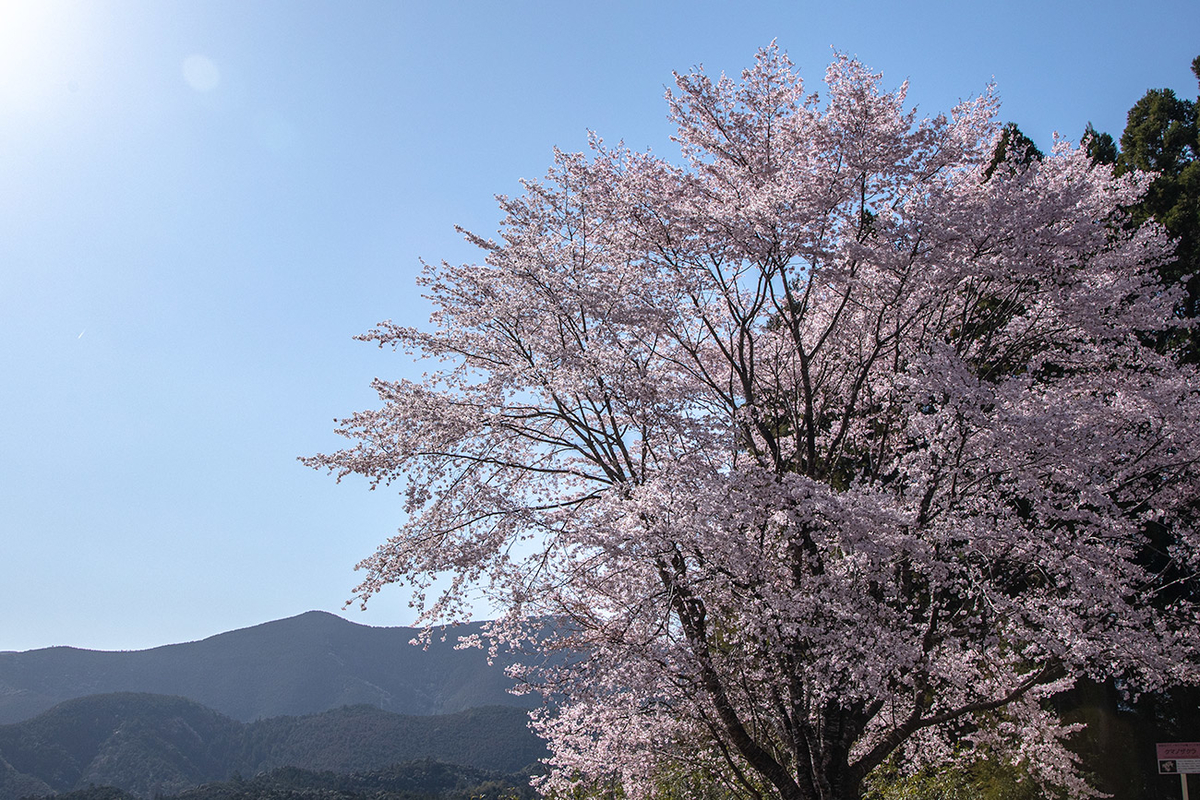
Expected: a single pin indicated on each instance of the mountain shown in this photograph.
(152, 745)
(301, 665)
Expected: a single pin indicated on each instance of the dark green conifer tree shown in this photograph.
(1162, 135)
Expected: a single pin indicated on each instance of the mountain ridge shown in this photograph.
(304, 664)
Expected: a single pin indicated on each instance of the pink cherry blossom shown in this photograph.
(816, 446)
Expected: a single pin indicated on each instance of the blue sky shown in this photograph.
(202, 202)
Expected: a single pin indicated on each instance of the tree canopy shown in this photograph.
(833, 441)
(1162, 138)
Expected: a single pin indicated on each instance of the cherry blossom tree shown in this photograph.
(829, 445)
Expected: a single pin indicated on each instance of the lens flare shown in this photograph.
(201, 73)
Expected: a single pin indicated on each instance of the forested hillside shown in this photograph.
(151, 745)
(415, 780)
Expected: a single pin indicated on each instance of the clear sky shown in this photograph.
(202, 202)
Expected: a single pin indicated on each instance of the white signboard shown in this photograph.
(1178, 758)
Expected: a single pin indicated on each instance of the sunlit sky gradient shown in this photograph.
(202, 202)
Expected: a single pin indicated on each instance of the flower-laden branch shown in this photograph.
(831, 441)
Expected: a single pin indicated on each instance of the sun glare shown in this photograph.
(34, 43)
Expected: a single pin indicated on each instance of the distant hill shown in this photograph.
(151, 745)
(145, 744)
(301, 665)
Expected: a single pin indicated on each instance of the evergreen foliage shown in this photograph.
(1013, 148)
(1162, 136)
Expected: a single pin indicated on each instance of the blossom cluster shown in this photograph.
(823, 444)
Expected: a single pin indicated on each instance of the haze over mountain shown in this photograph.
(306, 664)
